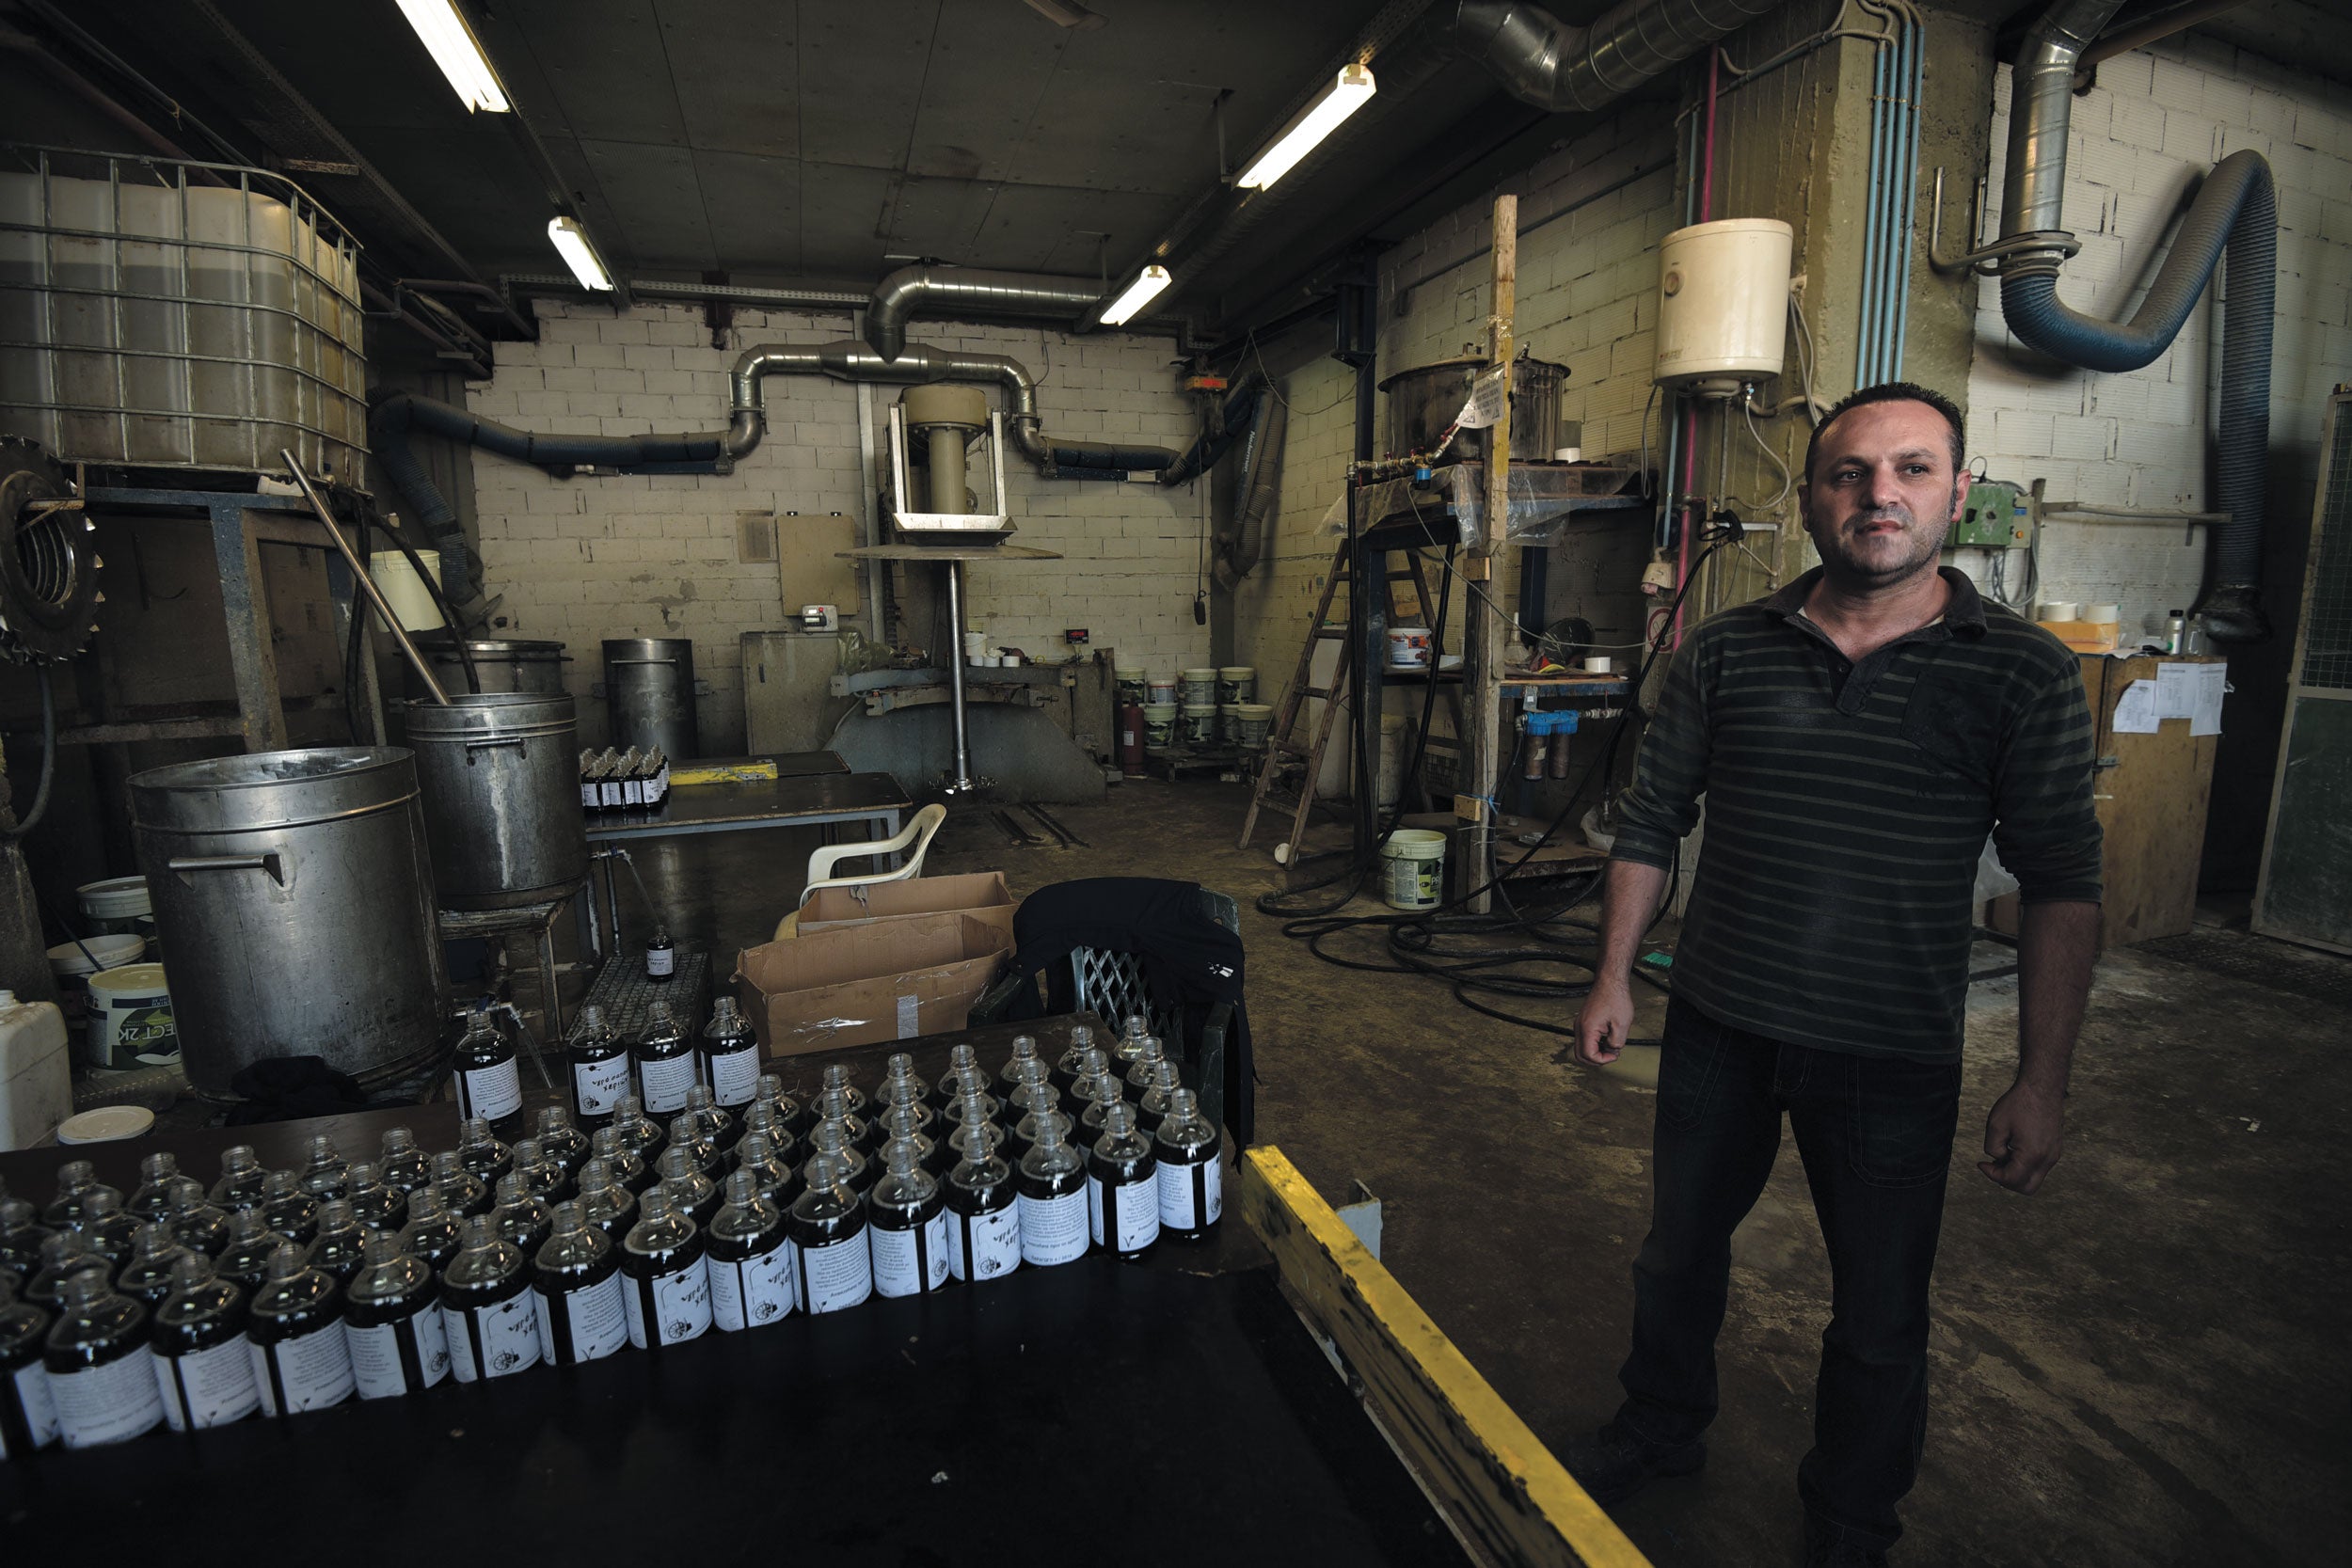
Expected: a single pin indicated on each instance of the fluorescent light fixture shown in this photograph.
(457, 52)
(578, 255)
(1143, 291)
(1308, 128)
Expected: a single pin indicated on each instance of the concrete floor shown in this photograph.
(2146, 1364)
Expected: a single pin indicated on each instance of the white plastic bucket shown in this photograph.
(1200, 723)
(115, 905)
(1236, 684)
(1160, 690)
(72, 970)
(1409, 647)
(1134, 687)
(1159, 724)
(405, 591)
(130, 1024)
(1251, 722)
(1200, 687)
(1412, 863)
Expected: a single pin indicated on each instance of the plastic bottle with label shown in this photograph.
(1052, 1189)
(242, 1179)
(827, 1224)
(325, 1171)
(1045, 1113)
(667, 1298)
(481, 1152)
(294, 1326)
(1151, 1105)
(106, 1227)
(291, 1211)
(77, 1184)
(561, 1141)
(1010, 1076)
(760, 1119)
(622, 1165)
(21, 1235)
(790, 1116)
(201, 1224)
(392, 1322)
(541, 1175)
(374, 1204)
(100, 1380)
(339, 1247)
(666, 1064)
(520, 1215)
(906, 1223)
(434, 1230)
(28, 1418)
(203, 1367)
(599, 1060)
(1071, 1065)
(147, 1277)
(152, 1198)
(850, 1168)
(483, 1079)
(660, 956)
(983, 1219)
(245, 1261)
(465, 1193)
(1192, 1181)
(577, 1292)
(640, 1132)
(750, 1258)
(401, 1162)
(683, 1182)
(1123, 1185)
(772, 1177)
(730, 1054)
(486, 1307)
(960, 1058)
(715, 1129)
(604, 1202)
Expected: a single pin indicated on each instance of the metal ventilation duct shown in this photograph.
(1564, 69)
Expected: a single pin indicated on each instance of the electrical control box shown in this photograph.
(1996, 517)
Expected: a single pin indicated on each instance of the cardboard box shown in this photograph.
(880, 980)
(982, 895)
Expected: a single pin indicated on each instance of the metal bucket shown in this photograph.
(1424, 400)
(649, 693)
(504, 665)
(295, 893)
(499, 776)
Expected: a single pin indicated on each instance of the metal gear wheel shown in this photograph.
(49, 595)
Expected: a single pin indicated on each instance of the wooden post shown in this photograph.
(1482, 645)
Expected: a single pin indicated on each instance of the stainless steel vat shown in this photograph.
(1424, 400)
(294, 893)
(510, 664)
(499, 776)
(649, 693)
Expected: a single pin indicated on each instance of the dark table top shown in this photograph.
(790, 765)
(762, 803)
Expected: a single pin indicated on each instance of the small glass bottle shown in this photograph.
(245, 1261)
(543, 1176)
(374, 1204)
(906, 1224)
(827, 1224)
(403, 1166)
(1052, 1188)
(1045, 1113)
(857, 1132)
(28, 1417)
(563, 1142)
(201, 1225)
(77, 1184)
(696, 1196)
(392, 1322)
(665, 1063)
(294, 1326)
(324, 1172)
(604, 1202)
(730, 1054)
(106, 1227)
(1016, 1068)
(291, 1211)
(101, 1378)
(600, 1071)
(622, 1164)
(21, 1235)
(668, 1295)
(147, 1277)
(850, 1168)
(836, 1081)
(714, 1128)
(152, 1198)
(480, 1150)
(578, 1290)
(338, 1248)
(960, 1058)
(1123, 1185)
(984, 1222)
(521, 1216)
(660, 956)
(486, 1307)
(1192, 1181)
(483, 1077)
(434, 1230)
(1151, 1109)
(750, 1259)
(772, 1177)
(760, 1119)
(1071, 1065)
(466, 1193)
(639, 1131)
(203, 1367)
(790, 1117)
(242, 1179)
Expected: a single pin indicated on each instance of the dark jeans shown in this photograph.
(1875, 1136)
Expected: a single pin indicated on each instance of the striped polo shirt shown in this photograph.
(1847, 804)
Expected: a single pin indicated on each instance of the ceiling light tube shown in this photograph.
(457, 52)
(571, 239)
(1143, 291)
(1308, 128)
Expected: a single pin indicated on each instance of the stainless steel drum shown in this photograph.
(510, 664)
(501, 780)
(295, 893)
(1424, 400)
(649, 693)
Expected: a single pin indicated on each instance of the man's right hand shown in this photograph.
(1605, 1023)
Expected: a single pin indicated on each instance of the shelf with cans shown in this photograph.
(273, 1292)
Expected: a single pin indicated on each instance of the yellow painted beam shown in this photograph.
(1502, 1489)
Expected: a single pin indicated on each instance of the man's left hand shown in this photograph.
(2021, 1137)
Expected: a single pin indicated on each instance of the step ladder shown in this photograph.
(1284, 747)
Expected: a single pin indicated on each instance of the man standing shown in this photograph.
(1856, 736)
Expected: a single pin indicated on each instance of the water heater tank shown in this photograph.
(1723, 302)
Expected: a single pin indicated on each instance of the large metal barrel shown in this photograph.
(295, 893)
(649, 693)
(501, 780)
(1423, 401)
(505, 664)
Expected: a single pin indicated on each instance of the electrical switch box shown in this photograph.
(1994, 516)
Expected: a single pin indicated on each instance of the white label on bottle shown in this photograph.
(31, 1383)
(597, 1086)
(377, 1362)
(633, 793)
(660, 962)
(308, 1372)
(663, 1085)
(492, 1341)
(598, 1318)
(735, 1076)
(908, 1262)
(611, 793)
(1136, 1207)
(681, 1305)
(492, 1093)
(834, 1276)
(1053, 1229)
(1179, 1209)
(995, 1243)
(754, 1292)
(108, 1403)
(587, 795)
(208, 1387)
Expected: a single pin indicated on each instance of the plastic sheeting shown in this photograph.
(1544, 497)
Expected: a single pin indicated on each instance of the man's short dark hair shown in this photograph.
(1894, 391)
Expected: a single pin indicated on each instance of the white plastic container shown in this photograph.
(36, 1076)
(1412, 866)
(1251, 722)
(1200, 723)
(129, 1025)
(404, 590)
(73, 966)
(1723, 304)
(1409, 647)
(1160, 690)
(1200, 687)
(1236, 684)
(116, 905)
(1159, 724)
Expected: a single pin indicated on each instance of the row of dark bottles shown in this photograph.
(613, 783)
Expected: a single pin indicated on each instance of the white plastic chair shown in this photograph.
(821, 864)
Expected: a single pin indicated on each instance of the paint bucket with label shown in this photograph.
(1134, 687)
(1409, 647)
(1200, 687)
(130, 1023)
(71, 963)
(1160, 690)
(115, 905)
(1251, 722)
(1236, 683)
(1200, 723)
(1412, 866)
(1159, 724)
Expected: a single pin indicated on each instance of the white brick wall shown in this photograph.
(581, 560)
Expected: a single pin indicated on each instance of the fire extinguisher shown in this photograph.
(1131, 739)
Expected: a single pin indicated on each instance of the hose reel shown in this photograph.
(49, 563)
